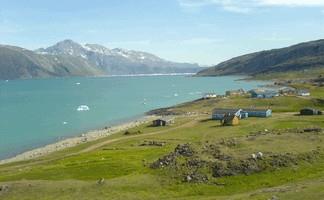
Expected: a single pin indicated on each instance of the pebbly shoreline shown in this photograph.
(77, 140)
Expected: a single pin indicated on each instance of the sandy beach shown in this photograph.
(74, 141)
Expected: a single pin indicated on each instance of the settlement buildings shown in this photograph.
(232, 116)
(238, 92)
(290, 91)
(287, 91)
(261, 94)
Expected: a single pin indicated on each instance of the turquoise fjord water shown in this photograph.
(38, 112)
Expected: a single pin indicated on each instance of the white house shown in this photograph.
(303, 93)
(210, 95)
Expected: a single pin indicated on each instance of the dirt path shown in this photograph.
(98, 145)
(101, 144)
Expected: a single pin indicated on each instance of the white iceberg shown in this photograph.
(83, 108)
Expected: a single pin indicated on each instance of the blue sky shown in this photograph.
(202, 31)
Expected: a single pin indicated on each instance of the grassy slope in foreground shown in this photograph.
(123, 162)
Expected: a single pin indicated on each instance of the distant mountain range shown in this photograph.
(68, 58)
(299, 57)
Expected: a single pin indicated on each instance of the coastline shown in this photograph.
(83, 137)
(77, 140)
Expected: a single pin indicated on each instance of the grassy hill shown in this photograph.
(301, 57)
(292, 167)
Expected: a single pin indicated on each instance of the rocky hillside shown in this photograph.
(19, 63)
(118, 61)
(299, 57)
(68, 58)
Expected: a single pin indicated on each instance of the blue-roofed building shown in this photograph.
(219, 113)
(257, 112)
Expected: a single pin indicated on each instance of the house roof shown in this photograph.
(225, 110)
(167, 119)
(287, 89)
(303, 91)
(312, 109)
(253, 109)
(262, 92)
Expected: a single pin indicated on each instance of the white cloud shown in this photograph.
(304, 3)
(245, 6)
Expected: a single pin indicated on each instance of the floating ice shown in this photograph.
(64, 123)
(176, 94)
(77, 83)
(83, 108)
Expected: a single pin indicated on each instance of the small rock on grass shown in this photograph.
(4, 188)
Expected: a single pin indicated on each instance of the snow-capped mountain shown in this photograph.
(117, 61)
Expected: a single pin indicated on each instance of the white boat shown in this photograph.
(83, 108)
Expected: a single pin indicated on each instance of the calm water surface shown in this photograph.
(37, 112)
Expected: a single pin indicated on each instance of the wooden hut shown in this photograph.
(310, 111)
(165, 121)
(230, 120)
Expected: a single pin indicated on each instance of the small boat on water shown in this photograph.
(83, 108)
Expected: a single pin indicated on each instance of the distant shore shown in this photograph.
(77, 140)
(156, 74)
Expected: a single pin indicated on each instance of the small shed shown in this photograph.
(230, 120)
(219, 113)
(258, 112)
(310, 111)
(163, 121)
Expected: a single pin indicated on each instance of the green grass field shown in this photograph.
(124, 163)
